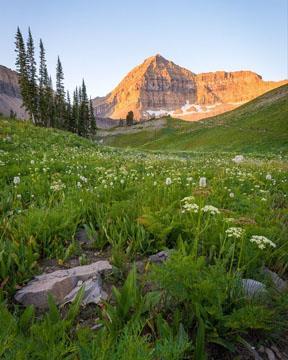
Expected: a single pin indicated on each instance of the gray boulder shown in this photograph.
(64, 285)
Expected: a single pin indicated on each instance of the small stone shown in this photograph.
(253, 288)
(279, 283)
(160, 257)
(270, 354)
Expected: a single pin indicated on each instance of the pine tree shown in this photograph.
(92, 119)
(84, 126)
(44, 91)
(60, 95)
(68, 113)
(75, 111)
(32, 84)
(21, 66)
(50, 98)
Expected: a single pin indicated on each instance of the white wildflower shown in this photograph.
(210, 209)
(268, 177)
(16, 180)
(238, 159)
(231, 195)
(234, 232)
(79, 185)
(202, 182)
(261, 241)
(168, 181)
(57, 185)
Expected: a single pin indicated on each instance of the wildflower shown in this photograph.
(234, 232)
(79, 185)
(268, 177)
(18, 196)
(261, 241)
(202, 182)
(83, 178)
(168, 181)
(16, 180)
(57, 185)
(154, 183)
(187, 207)
(231, 195)
(210, 209)
(32, 162)
(238, 159)
(122, 181)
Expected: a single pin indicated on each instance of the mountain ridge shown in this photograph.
(159, 87)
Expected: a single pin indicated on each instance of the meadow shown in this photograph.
(222, 219)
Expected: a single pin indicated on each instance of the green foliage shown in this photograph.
(55, 182)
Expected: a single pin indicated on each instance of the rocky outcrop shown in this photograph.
(159, 87)
(10, 96)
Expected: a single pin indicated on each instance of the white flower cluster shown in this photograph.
(168, 181)
(261, 241)
(57, 185)
(234, 232)
(212, 210)
(16, 180)
(189, 205)
(202, 182)
(238, 159)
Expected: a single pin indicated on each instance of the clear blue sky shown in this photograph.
(102, 40)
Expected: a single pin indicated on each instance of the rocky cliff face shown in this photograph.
(10, 97)
(159, 87)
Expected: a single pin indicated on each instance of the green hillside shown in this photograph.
(260, 125)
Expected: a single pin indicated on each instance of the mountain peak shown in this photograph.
(158, 87)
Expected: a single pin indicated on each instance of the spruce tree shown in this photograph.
(75, 111)
(50, 99)
(21, 66)
(60, 95)
(68, 113)
(44, 91)
(84, 126)
(92, 119)
(32, 84)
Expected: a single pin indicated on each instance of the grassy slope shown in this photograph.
(260, 125)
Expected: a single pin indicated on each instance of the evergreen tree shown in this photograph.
(68, 122)
(75, 111)
(130, 118)
(60, 95)
(92, 119)
(32, 84)
(21, 66)
(83, 128)
(50, 98)
(44, 91)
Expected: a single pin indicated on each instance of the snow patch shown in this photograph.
(186, 109)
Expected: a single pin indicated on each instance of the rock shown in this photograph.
(158, 87)
(159, 257)
(83, 237)
(93, 292)
(253, 288)
(61, 283)
(279, 283)
(270, 354)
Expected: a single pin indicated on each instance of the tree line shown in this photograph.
(45, 105)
